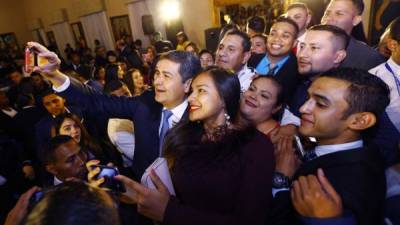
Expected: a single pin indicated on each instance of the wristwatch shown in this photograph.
(279, 180)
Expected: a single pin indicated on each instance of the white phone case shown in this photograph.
(160, 166)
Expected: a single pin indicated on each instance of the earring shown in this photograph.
(227, 119)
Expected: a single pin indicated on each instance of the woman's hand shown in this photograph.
(151, 202)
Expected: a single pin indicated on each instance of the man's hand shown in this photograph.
(18, 213)
(48, 64)
(315, 197)
(286, 159)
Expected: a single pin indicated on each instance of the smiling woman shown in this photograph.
(221, 172)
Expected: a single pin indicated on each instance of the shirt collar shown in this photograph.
(179, 110)
(327, 149)
(57, 181)
(395, 67)
(265, 63)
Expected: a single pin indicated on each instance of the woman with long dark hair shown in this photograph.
(221, 172)
(135, 82)
(71, 125)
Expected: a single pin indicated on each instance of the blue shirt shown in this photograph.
(263, 66)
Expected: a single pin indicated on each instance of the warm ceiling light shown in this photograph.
(170, 10)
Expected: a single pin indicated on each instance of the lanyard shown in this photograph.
(395, 78)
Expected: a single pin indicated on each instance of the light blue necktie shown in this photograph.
(166, 114)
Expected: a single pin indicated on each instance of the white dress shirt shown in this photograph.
(177, 113)
(393, 109)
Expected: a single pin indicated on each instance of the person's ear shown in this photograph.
(362, 121)
(50, 168)
(186, 85)
(357, 20)
(246, 57)
(340, 56)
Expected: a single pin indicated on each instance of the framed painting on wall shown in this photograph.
(79, 35)
(9, 41)
(121, 26)
(52, 39)
(382, 13)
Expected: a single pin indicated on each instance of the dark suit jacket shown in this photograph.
(95, 84)
(288, 75)
(357, 175)
(25, 122)
(361, 56)
(143, 110)
(132, 58)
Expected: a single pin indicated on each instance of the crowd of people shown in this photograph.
(299, 124)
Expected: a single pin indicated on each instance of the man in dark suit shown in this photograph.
(131, 56)
(86, 77)
(347, 14)
(152, 113)
(342, 104)
(279, 61)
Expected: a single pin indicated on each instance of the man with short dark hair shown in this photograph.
(255, 25)
(342, 104)
(233, 53)
(86, 77)
(152, 113)
(279, 61)
(346, 14)
(129, 55)
(64, 158)
(55, 105)
(324, 48)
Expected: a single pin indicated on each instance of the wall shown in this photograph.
(12, 19)
(45, 9)
(197, 15)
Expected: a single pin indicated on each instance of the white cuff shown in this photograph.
(63, 86)
(276, 190)
(289, 118)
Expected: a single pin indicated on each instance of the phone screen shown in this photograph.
(109, 182)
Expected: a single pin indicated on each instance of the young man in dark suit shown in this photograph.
(347, 14)
(152, 113)
(342, 104)
(279, 61)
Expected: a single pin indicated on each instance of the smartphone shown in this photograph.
(299, 147)
(36, 197)
(30, 60)
(109, 173)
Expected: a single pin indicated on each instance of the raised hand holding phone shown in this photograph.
(48, 64)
